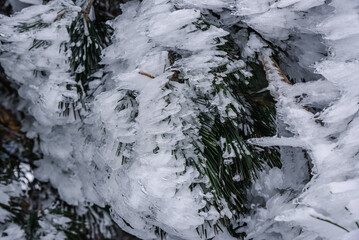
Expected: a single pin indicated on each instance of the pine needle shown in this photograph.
(328, 221)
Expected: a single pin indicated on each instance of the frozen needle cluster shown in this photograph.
(208, 119)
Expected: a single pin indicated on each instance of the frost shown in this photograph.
(327, 134)
(131, 147)
(126, 158)
(11, 232)
(80, 69)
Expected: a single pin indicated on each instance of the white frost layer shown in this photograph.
(80, 160)
(328, 206)
(157, 191)
(42, 74)
(122, 154)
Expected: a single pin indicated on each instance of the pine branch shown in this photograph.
(270, 65)
(230, 177)
(87, 10)
(39, 211)
(87, 39)
(146, 74)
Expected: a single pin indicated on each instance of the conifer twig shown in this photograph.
(273, 71)
(87, 10)
(146, 74)
(89, 5)
(60, 16)
(268, 69)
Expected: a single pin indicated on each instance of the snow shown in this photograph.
(13, 231)
(121, 153)
(152, 178)
(118, 164)
(334, 184)
(205, 4)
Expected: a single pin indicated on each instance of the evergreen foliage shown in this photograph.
(34, 209)
(220, 108)
(205, 113)
(229, 162)
(150, 122)
(88, 37)
(165, 122)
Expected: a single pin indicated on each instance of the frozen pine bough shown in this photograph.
(166, 114)
(183, 119)
(320, 113)
(161, 139)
